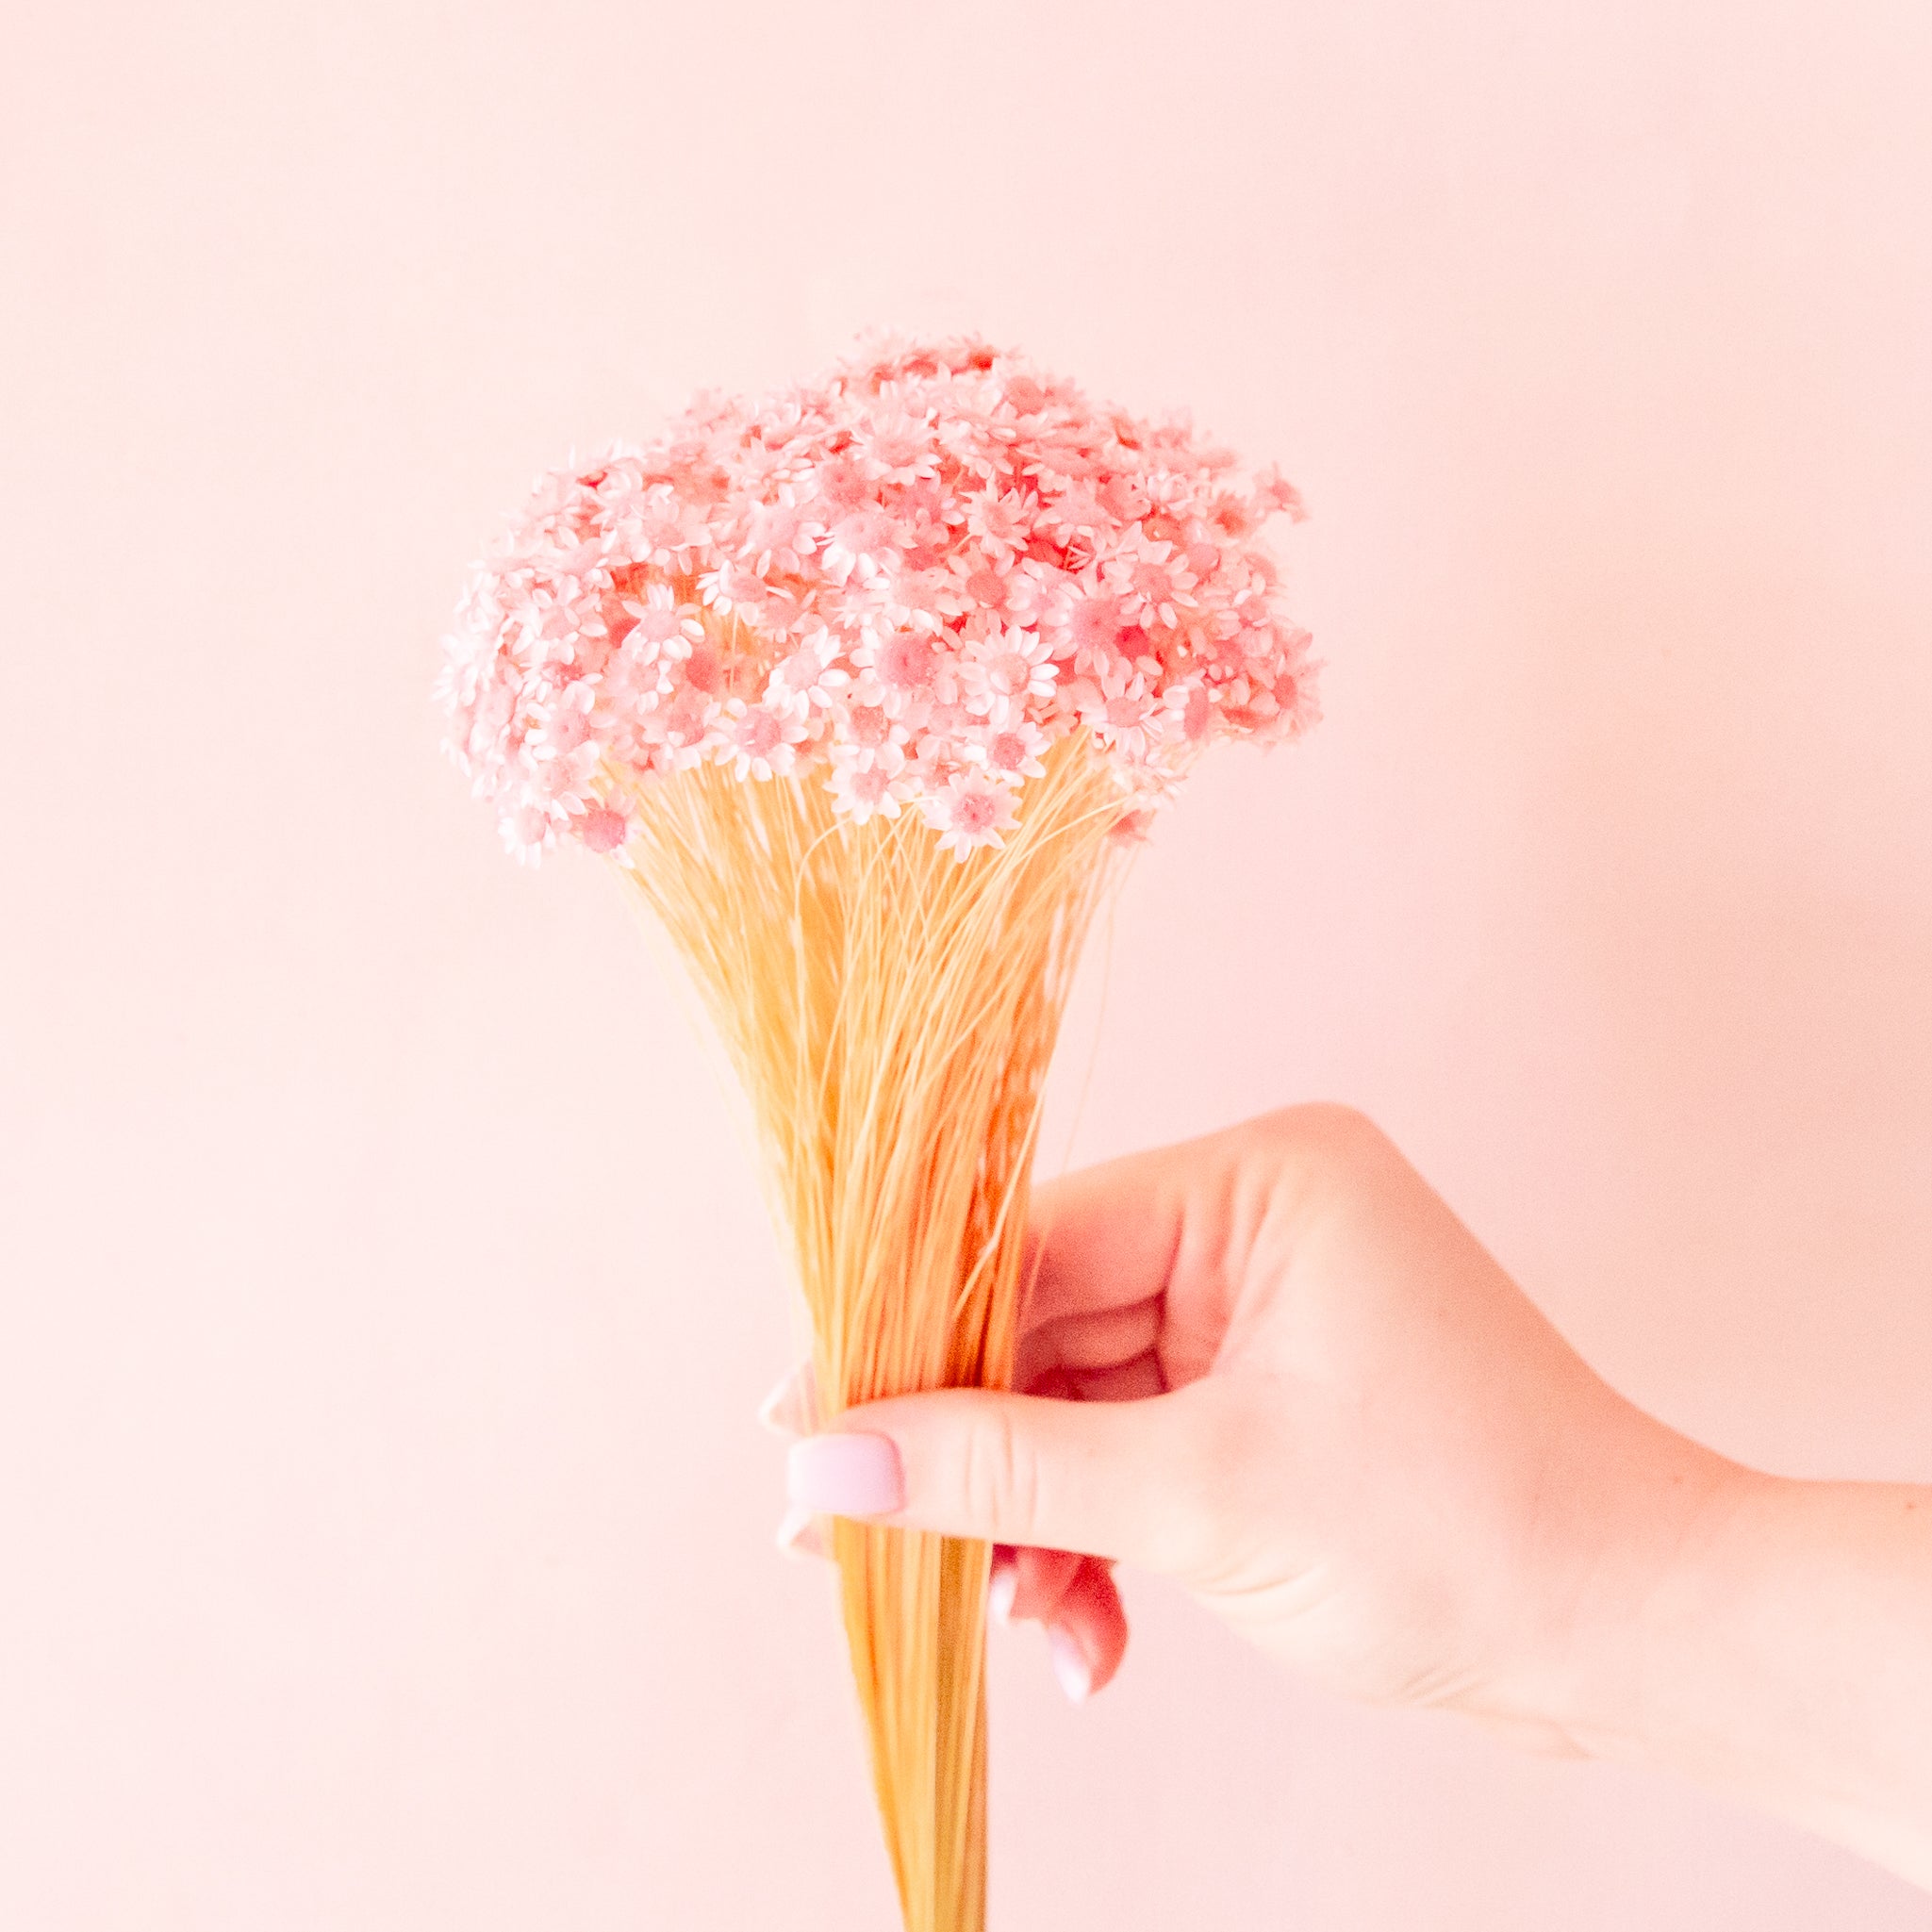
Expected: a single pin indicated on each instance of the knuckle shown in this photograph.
(1321, 1145)
(999, 1479)
(1322, 1125)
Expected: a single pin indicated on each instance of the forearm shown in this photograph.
(1783, 1654)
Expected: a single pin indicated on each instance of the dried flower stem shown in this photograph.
(891, 1014)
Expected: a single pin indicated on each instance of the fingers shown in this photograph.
(1145, 1255)
(1038, 1580)
(1059, 1357)
(1073, 1597)
(1087, 1637)
(1119, 1480)
(1105, 1238)
(1078, 1603)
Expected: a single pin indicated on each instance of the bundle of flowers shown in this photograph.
(862, 686)
(906, 581)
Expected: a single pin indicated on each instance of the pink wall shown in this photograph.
(376, 1234)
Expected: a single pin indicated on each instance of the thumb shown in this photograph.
(1119, 1480)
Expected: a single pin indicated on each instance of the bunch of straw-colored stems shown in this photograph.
(891, 1012)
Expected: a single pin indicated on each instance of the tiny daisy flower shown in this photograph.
(567, 725)
(761, 741)
(604, 828)
(1152, 582)
(779, 535)
(680, 725)
(905, 673)
(1075, 510)
(1007, 670)
(1125, 717)
(970, 812)
(529, 832)
(730, 586)
(871, 733)
(666, 531)
(658, 618)
(865, 540)
(866, 792)
(897, 447)
(1010, 750)
(808, 680)
(1001, 521)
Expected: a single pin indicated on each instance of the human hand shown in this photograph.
(1272, 1366)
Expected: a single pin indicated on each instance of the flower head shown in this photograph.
(969, 812)
(914, 575)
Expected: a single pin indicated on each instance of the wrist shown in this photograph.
(1667, 1589)
(1761, 1635)
(1630, 1551)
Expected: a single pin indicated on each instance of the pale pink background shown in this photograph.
(384, 1533)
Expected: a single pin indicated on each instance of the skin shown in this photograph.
(1273, 1367)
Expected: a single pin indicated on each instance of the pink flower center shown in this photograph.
(867, 788)
(1008, 751)
(756, 735)
(1154, 583)
(974, 811)
(1096, 621)
(988, 588)
(868, 724)
(603, 830)
(907, 663)
(896, 452)
(660, 531)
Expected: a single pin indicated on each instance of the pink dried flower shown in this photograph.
(1008, 670)
(1010, 751)
(761, 741)
(968, 813)
(604, 829)
(863, 790)
(914, 575)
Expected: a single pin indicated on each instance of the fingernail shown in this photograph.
(846, 1474)
(1070, 1665)
(788, 1411)
(1001, 1590)
(797, 1535)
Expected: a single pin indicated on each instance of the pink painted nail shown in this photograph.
(1070, 1665)
(1001, 1590)
(846, 1474)
(790, 1409)
(797, 1535)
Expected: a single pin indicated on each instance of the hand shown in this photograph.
(1273, 1366)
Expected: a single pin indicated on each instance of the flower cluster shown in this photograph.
(907, 579)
